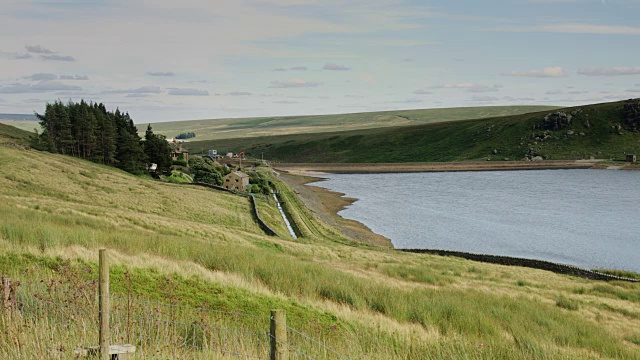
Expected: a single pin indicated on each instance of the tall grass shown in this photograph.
(377, 303)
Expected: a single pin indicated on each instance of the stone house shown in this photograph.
(236, 180)
(179, 153)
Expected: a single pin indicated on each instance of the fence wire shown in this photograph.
(52, 324)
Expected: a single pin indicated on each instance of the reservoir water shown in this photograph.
(587, 218)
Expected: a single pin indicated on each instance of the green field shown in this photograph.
(197, 247)
(253, 127)
(26, 125)
(10, 134)
(593, 132)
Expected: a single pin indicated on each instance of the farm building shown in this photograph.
(178, 152)
(631, 158)
(236, 180)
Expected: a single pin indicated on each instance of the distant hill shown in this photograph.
(282, 125)
(26, 122)
(18, 117)
(572, 133)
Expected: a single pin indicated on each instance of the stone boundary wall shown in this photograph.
(262, 224)
(216, 187)
(530, 263)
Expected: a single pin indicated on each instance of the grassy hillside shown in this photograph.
(593, 131)
(199, 247)
(10, 134)
(26, 125)
(251, 127)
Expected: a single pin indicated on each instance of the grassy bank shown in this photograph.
(592, 132)
(380, 304)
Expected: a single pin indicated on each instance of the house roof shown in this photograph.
(239, 174)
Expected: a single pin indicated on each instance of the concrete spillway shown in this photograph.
(284, 217)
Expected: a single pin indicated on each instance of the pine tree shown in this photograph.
(158, 151)
(130, 155)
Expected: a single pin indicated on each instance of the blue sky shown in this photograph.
(193, 59)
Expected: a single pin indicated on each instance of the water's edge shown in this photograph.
(499, 259)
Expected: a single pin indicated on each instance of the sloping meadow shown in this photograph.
(363, 301)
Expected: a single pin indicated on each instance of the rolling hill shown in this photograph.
(268, 126)
(363, 301)
(11, 134)
(580, 132)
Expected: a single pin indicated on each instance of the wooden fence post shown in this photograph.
(278, 332)
(103, 299)
(6, 292)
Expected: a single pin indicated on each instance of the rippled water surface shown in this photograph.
(588, 218)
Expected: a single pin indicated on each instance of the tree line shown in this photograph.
(187, 135)
(89, 131)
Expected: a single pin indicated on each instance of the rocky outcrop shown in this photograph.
(555, 121)
(631, 115)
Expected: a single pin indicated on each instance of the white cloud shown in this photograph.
(548, 72)
(293, 68)
(57, 58)
(422, 92)
(140, 90)
(37, 49)
(554, 92)
(407, 101)
(286, 102)
(484, 98)
(575, 29)
(239, 93)
(293, 83)
(335, 67)
(187, 92)
(74, 77)
(41, 87)
(614, 71)
(468, 87)
(41, 77)
(161, 73)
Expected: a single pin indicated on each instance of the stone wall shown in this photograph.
(262, 224)
(530, 263)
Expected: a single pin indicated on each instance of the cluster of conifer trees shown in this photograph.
(89, 131)
(187, 135)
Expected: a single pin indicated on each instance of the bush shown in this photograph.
(206, 171)
(263, 185)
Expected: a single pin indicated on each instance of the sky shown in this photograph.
(173, 60)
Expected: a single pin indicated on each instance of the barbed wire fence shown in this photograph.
(49, 321)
